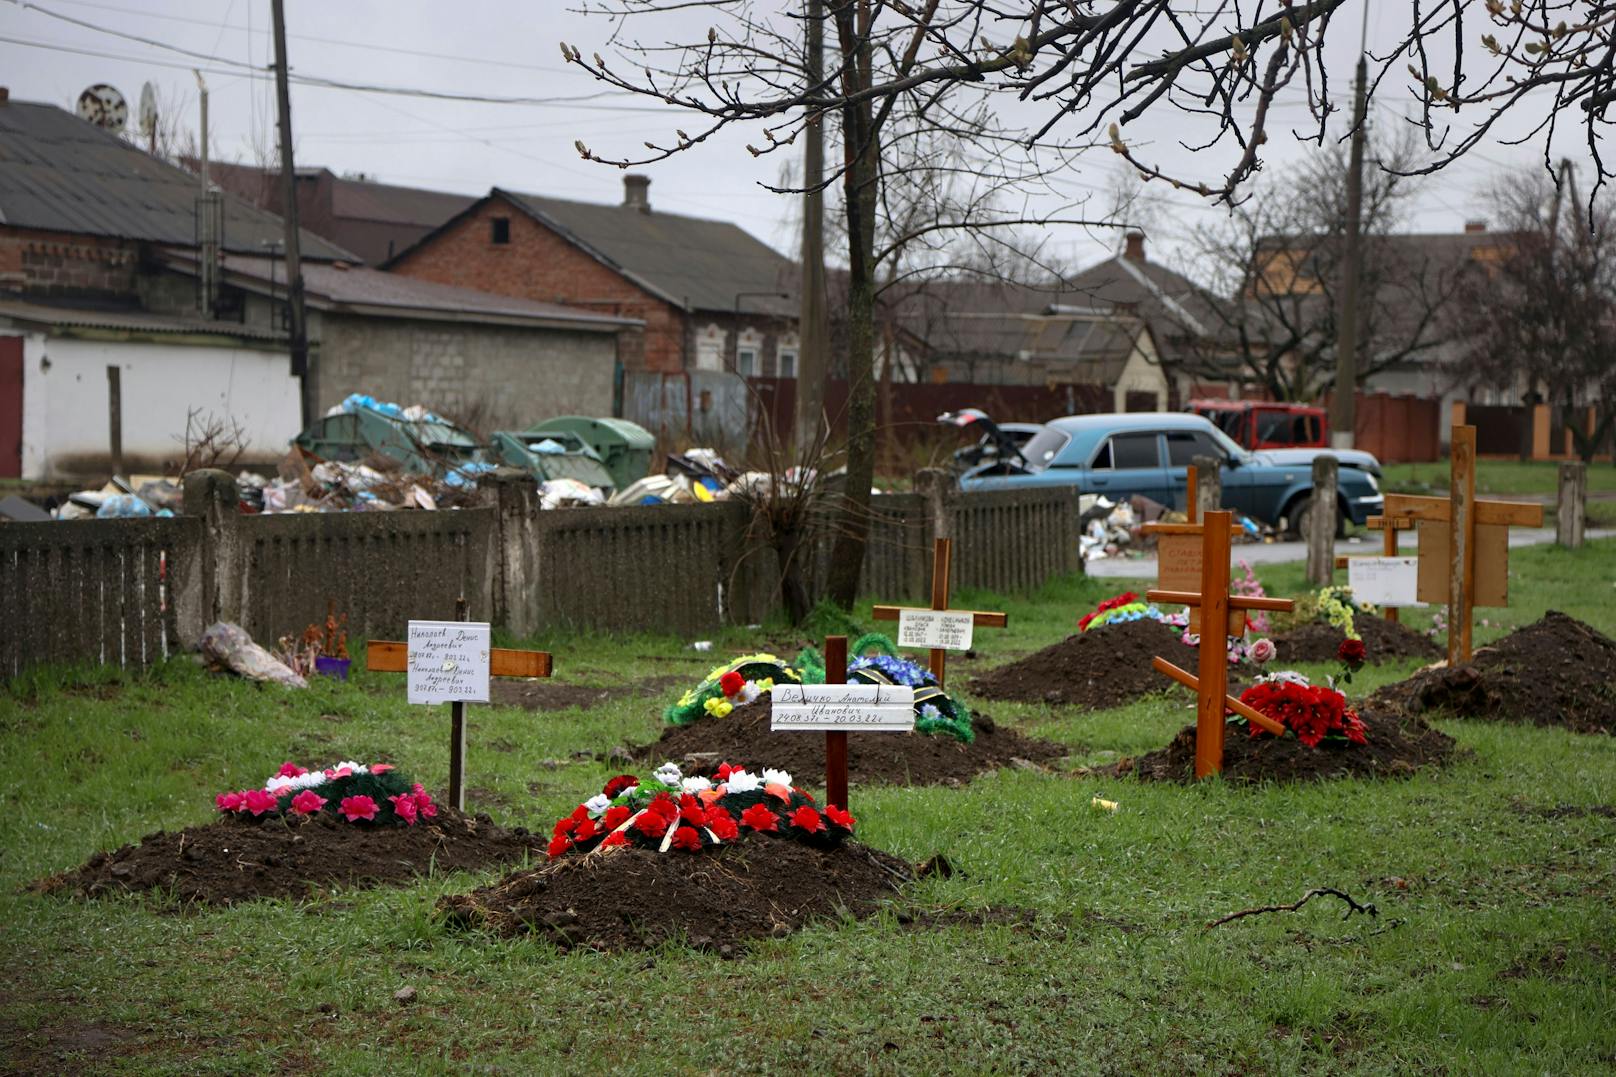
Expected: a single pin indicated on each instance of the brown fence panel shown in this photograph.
(91, 590)
(1499, 428)
(1398, 429)
(1014, 541)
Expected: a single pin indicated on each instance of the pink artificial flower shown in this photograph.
(307, 802)
(291, 770)
(356, 808)
(259, 801)
(404, 808)
(380, 768)
(228, 801)
(1262, 650)
(340, 772)
(423, 803)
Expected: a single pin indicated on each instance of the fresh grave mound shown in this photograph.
(1557, 671)
(1318, 641)
(742, 736)
(348, 825)
(1396, 746)
(1099, 668)
(551, 695)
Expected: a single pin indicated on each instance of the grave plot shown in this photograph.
(303, 832)
(1384, 640)
(1557, 671)
(1103, 667)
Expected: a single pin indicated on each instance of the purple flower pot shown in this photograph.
(332, 667)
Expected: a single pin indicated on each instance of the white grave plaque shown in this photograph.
(1384, 581)
(935, 628)
(448, 662)
(881, 708)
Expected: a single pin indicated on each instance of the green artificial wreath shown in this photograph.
(732, 685)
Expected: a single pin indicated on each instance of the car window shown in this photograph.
(1044, 446)
(1183, 446)
(1275, 426)
(1129, 450)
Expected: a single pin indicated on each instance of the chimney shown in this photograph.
(1475, 226)
(637, 192)
(1135, 250)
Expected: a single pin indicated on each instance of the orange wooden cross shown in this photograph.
(942, 557)
(1215, 603)
(1464, 543)
(390, 656)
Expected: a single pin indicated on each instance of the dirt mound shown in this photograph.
(1383, 640)
(1399, 744)
(232, 861)
(1103, 667)
(633, 898)
(549, 695)
(1556, 671)
(744, 739)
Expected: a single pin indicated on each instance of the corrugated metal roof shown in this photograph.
(690, 261)
(128, 320)
(60, 174)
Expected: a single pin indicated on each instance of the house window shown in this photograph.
(709, 353)
(788, 363)
(500, 230)
(746, 362)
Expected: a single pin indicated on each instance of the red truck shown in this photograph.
(1267, 424)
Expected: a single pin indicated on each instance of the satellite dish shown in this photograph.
(103, 106)
(148, 109)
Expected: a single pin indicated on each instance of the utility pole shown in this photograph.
(294, 261)
(813, 355)
(1344, 409)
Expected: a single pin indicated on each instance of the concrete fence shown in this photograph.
(131, 592)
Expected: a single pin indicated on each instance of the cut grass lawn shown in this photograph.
(1492, 952)
(1502, 477)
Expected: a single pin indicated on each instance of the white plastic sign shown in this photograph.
(448, 662)
(935, 628)
(1384, 581)
(882, 708)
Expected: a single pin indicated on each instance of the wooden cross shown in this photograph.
(1215, 604)
(389, 656)
(942, 556)
(1464, 543)
(1388, 526)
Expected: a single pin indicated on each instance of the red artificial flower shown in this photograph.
(805, 818)
(307, 802)
(724, 771)
(423, 802)
(840, 816)
(229, 801)
(687, 838)
(618, 784)
(558, 845)
(1352, 652)
(356, 808)
(722, 824)
(404, 807)
(759, 817)
(616, 816)
(663, 805)
(731, 682)
(651, 824)
(691, 810)
(259, 801)
(585, 831)
(564, 825)
(616, 838)
(290, 770)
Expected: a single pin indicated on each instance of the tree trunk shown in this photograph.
(860, 181)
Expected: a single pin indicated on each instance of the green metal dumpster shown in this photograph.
(624, 447)
(576, 460)
(423, 448)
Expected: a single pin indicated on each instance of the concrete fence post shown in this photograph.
(1320, 522)
(1573, 507)
(211, 495)
(938, 489)
(1208, 492)
(513, 570)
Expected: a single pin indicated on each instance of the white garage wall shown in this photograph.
(65, 401)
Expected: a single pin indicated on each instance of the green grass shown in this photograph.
(1502, 477)
(1493, 952)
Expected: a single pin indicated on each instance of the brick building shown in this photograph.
(712, 297)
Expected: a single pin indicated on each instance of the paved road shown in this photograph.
(1268, 553)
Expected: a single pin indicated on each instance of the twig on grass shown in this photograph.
(1317, 891)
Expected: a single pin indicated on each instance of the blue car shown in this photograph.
(1146, 453)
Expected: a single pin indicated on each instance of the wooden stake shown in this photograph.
(1192, 494)
(1388, 539)
(457, 735)
(836, 739)
(1462, 563)
(942, 563)
(1214, 645)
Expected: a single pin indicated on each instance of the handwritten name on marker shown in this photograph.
(864, 707)
(1384, 581)
(448, 661)
(935, 628)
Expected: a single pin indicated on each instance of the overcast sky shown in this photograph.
(510, 48)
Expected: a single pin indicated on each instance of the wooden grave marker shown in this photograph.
(438, 675)
(939, 628)
(1464, 543)
(1388, 526)
(1179, 553)
(1212, 684)
(837, 707)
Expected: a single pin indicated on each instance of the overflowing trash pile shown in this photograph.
(1116, 528)
(123, 498)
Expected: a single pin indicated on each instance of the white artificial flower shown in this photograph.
(597, 804)
(776, 777)
(277, 783)
(695, 785)
(309, 780)
(668, 774)
(357, 768)
(628, 791)
(739, 781)
(1287, 675)
(749, 692)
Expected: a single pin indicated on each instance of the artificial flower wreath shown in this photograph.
(1314, 713)
(376, 794)
(672, 811)
(730, 686)
(935, 710)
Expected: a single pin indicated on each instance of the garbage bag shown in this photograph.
(228, 646)
(122, 506)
